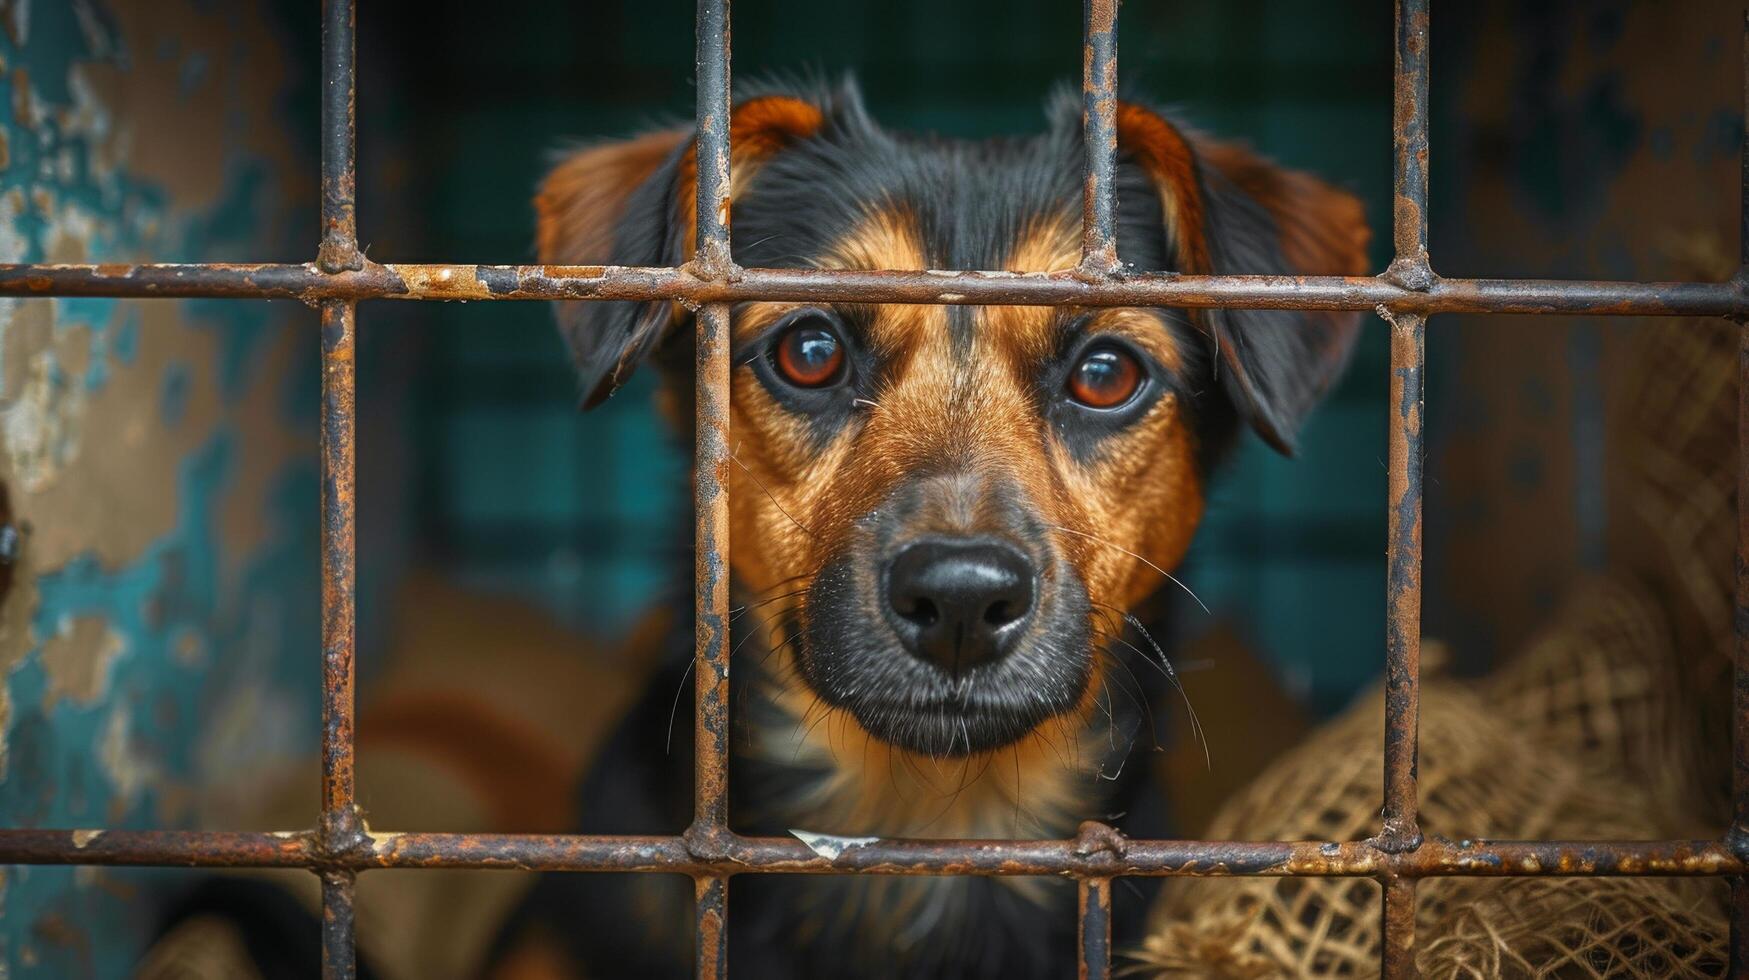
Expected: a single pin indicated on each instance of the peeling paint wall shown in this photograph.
(157, 456)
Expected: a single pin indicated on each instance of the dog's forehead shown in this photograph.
(967, 204)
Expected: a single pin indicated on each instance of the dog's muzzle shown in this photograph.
(947, 624)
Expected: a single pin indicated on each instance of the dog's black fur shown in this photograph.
(970, 199)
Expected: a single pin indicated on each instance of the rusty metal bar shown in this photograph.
(712, 260)
(1403, 583)
(1739, 833)
(1411, 265)
(711, 459)
(582, 282)
(339, 950)
(711, 903)
(1093, 899)
(338, 501)
(782, 855)
(339, 828)
(339, 247)
(1099, 133)
(1398, 927)
(1401, 831)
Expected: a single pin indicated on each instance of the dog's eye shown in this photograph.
(1105, 377)
(809, 354)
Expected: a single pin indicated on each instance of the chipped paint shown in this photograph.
(78, 658)
(164, 478)
(829, 846)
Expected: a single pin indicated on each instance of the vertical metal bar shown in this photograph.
(1408, 362)
(339, 828)
(339, 247)
(1403, 583)
(1739, 835)
(339, 952)
(713, 138)
(711, 599)
(338, 595)
(712, 258)
(1094, 901)
(1099, 134)
(1399, 927)
(1411, 267)
(1409, 134)
(711, 903)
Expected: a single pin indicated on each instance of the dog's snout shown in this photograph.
(959, 602)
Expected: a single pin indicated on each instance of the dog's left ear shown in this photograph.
(634, 202)
(1229, 211)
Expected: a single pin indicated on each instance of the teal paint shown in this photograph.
(197, 624)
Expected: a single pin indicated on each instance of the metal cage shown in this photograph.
(341, 846)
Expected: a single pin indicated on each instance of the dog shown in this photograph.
(944, 518)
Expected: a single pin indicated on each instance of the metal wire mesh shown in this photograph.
(1408, 291)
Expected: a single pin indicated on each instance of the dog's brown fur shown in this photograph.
(1118, 517)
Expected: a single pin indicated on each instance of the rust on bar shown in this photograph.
(711, 920)
(1403, 582)
(340, 827)
(339, 942)
(750, 855)
(339, 247)
(711, 450)
(711, 595)
(1739, 833)
(712, 256)
(1411, 266)
(306, 283)
(1398, 929)
(1099, 135)
(1094, 905)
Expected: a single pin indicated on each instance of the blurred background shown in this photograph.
(158, 637)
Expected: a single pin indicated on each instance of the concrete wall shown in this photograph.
(157, 642)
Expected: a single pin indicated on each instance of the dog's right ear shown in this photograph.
(634, 203)
(610, 204)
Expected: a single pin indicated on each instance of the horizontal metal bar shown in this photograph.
(735, 854)
(554, 282)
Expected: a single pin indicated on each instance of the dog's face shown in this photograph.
(961, 503)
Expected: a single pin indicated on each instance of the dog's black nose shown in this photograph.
(959, 602)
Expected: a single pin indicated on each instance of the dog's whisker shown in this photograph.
(1138, 696)
(1172, 675)
(742, 610)
(1117, 547)
(736, 456)
(674, 710)
(1164, 666)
